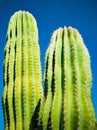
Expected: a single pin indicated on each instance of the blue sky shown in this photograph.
(50, 15)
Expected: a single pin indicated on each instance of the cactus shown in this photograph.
(22, 72)
(68, 104)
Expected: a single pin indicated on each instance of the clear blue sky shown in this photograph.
(51, 14)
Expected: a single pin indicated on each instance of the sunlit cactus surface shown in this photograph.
(22, 72)
(68, 104)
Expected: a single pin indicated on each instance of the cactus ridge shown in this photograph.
(68, 80)
(22, 72)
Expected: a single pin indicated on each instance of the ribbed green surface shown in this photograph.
(22, 72)
(68, 103)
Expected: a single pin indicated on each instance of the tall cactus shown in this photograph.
(22, 72)
(68, 103)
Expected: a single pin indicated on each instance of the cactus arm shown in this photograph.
(57, 103)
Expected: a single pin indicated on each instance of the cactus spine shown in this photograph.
(68, 103)
(22, 72)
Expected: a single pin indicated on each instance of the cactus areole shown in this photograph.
(22, 72)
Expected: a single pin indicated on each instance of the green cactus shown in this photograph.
(68, 77)
(67, 104)
(22, 72)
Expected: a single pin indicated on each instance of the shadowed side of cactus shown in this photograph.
(96, 125)
(22, 72)
(68, 103)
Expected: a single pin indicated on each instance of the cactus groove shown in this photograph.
(22, 72)
(68, 103)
